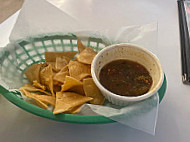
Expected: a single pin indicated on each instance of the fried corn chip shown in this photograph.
(41, 104)
(70, 82)
(46, 77)
(66, 101)
(72, 85)
(53, 66)
(65, 69)
(54, 81)
(86, 56)
(60, 76)
(74, 110)
(51, 56)
(80, 46)
(46, 99)
(61, 62)
(33, 96)
(29, 87)
(91, 90)
(86, 78)
(38, 85)
(26, 93)
(79, 70)
(77, 89)
(33, 72)
(43, 98)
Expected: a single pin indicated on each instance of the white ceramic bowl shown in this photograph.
(129, 52)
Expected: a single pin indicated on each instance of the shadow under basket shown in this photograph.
(16, 58)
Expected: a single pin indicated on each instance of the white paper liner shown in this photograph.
(140, 115)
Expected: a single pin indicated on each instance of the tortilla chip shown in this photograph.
(29, 87)
(46, 99)
(61, 62)
(51, 56)
(60, 76)
(72, 85)
(53, 66)
(65, 69)
(74, 110)
(79, 70)
(38, 85)
(33, 72)
(91, 90)
(66, 101)
(86, 56)
(70, 82)
(77, 89)
(41, 104)
(56, 82)
(25, 92)
(46, 77)
(86, 77)
(33, 96)
(80, 46)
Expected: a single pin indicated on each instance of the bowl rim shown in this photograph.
(126, 98)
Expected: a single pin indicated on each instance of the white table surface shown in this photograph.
(174, 113)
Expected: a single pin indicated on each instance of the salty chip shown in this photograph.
(60, 76)
(41, 104)
(86, 56)
(46, 99)
(65, 69)
(80, 46)
(33, 96)
(51, 56)
(79, 70)
(29, 87)
(46, 77)
(91, 90)
(74, 110)
(72, 84)
(53, 66)
(33, 72)
(66, 101)
(61, 62)
(38, 85)
(77, 89)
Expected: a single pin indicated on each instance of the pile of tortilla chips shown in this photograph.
(63, 83)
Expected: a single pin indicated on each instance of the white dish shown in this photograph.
(130, 52)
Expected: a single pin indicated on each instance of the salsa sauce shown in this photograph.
(125, 78)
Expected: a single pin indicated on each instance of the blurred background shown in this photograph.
(8, 7)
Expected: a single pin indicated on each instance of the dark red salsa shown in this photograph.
(125, 78)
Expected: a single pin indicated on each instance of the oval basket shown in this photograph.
(16, 58)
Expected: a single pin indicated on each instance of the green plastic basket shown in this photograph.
(16, 58)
